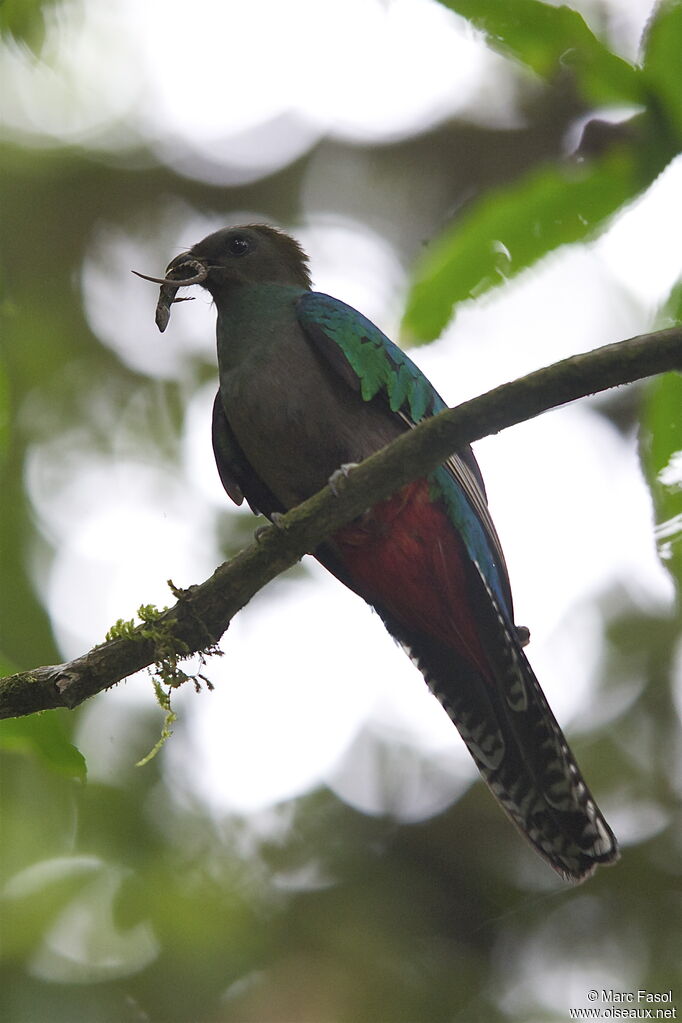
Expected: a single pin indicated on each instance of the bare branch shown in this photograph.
(202, 613)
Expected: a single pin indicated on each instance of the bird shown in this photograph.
(308, 386)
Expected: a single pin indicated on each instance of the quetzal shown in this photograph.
(307, 385)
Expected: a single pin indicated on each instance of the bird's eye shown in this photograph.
(238, 246)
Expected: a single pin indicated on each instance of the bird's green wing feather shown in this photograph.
(366, 358)
(372, 364)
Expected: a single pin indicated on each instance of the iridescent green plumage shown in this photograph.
(380, 366)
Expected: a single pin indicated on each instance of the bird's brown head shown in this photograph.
(253, 254)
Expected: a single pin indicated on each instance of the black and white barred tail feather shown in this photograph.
(517, 744)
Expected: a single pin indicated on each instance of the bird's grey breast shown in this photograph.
(296, 420)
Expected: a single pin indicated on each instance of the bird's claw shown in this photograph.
(275, 520)
(341, 474)
(523, 634)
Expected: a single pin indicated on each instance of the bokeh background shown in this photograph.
(312, 845)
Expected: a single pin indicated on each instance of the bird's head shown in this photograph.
(254, 254)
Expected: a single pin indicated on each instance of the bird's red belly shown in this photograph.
(406, 557)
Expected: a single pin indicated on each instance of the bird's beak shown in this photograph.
(181, 272)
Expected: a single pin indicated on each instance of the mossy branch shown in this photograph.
(202, 613)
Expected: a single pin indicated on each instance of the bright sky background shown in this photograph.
(306, 666)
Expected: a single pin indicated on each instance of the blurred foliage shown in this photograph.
(44, 736)
(550, 207)
(555, 206)
(661, 446)
(550, 39)
(24, 20)
(661, 64)
(662, 442)
(121, 900)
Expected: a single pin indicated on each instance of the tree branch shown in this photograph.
(203, 613)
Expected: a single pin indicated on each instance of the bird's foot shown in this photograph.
(338, 477)
(523, 635)
(275, 520)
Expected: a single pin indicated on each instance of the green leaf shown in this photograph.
(24, 20)
(671, 313)
(547, 39)
(661, 453)
(509, 229)
(663, 62)
(43, 735)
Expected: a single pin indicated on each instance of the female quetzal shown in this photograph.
(307, 385)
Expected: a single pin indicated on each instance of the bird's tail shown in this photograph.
(518, 745)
